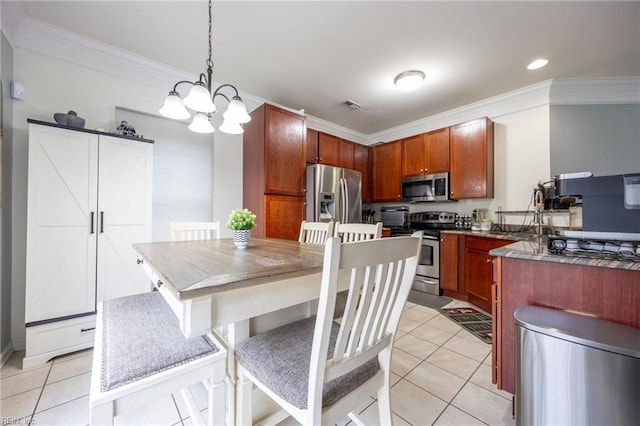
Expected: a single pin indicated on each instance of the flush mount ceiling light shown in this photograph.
(538, 63)
(201, 101)
(409, 80)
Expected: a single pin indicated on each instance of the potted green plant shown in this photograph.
(240, 222)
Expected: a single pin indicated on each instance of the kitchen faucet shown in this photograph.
(538, 216)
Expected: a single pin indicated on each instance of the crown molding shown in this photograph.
(516, 100)
(336, 130)
(11, 14)
(37, 36)
(605, 90)
(49, 40)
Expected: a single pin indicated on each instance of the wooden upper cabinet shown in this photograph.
(285, 148)
(387, 169)
(471, 159)
(426, 153)
(437, 151)
(329, 149)
(362, 163)
(413, 155)
(346, 154)
(312, 146)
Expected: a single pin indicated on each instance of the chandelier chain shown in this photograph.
(209, 61)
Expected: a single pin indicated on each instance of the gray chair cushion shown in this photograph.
(280, 359)
(141, 337)
(341, 304)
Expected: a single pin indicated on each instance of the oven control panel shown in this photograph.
(433, 217)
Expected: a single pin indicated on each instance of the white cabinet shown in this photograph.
(89, 200)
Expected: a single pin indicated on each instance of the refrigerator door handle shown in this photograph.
(344, 195)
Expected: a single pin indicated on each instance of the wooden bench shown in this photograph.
(139, 348)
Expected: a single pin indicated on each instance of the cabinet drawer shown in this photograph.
(61, 336)
(479, 243)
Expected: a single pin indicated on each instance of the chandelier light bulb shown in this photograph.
(237, 111)
(199, 99)
(201, 124)
(231, 127)
(409, 80)
(174, 107)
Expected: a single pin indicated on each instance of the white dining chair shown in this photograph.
(190, 231)
(350, 232)
(318, 370)
(140, 353)
(315, 232)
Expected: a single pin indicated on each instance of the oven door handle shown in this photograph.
(430, 237)
(426, 280)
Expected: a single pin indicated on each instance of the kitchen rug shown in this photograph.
(476, 322)
(428, 300)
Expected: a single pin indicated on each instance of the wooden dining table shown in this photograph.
(211, 283)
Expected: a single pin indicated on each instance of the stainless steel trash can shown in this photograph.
(575, 370)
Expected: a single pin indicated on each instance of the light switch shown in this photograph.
(17, 90)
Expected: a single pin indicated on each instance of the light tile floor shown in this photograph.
(441, 376)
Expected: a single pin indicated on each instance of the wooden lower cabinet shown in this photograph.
(478, 269)
(450, 245)
(605, 293)
(282, 216)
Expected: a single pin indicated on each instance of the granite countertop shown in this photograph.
(534, 247)
(515, 236)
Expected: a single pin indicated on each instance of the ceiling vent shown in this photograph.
(352, 105)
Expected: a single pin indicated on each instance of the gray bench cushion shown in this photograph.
(280, 359)
(141, 337)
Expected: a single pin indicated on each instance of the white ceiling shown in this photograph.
(315, 55)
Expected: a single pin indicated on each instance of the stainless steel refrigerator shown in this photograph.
(334, 194)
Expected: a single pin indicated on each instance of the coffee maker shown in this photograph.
(610, 204)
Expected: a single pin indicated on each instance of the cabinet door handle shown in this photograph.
(101, 222)
(83, 330)
(93, 214)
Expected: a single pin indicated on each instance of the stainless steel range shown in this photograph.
(428, 272)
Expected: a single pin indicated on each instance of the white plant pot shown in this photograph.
(241, 238)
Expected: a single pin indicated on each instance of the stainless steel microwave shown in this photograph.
(426, 188)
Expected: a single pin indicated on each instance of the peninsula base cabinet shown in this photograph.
(609, 294)
(89, 200)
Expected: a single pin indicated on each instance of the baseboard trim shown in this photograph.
(6, 354)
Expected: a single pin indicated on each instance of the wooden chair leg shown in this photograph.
(244, 414)
(384, 393)
(384, 406)
(217, 410)
(101, 415)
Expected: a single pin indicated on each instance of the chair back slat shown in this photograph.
(380, 274)
(352, 232)
(191, 231)
(315, 232)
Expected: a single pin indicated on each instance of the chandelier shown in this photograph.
(201, 100)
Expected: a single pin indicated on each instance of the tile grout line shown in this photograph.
(35, 407)
(425, 360)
